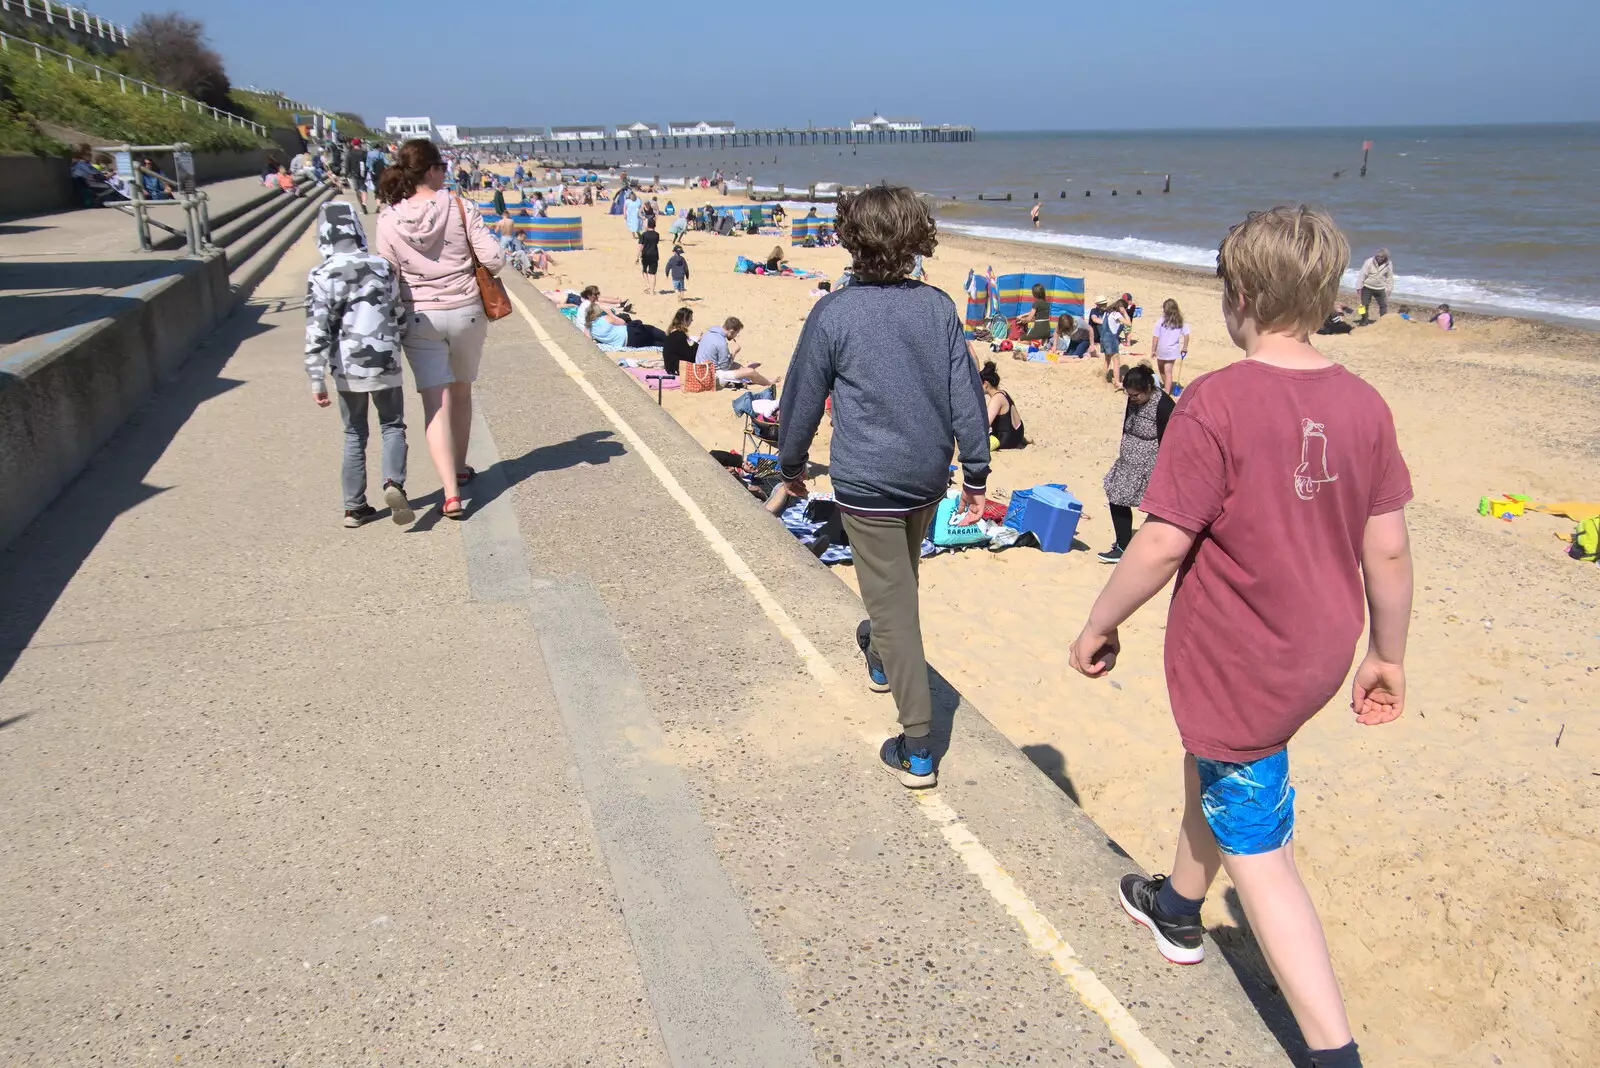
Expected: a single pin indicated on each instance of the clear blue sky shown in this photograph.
(1151, 64)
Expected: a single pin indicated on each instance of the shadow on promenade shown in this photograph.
(37, 566)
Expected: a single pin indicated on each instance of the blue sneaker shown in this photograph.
(877, 678)
(913, 766)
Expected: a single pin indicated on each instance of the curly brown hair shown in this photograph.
(885, 227)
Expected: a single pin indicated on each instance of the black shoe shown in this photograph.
(1111, 555)
(394, 495)
(358, 517)
(911, 760)
(877, 678)
(1177, 937)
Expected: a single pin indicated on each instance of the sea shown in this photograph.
(1493, 218)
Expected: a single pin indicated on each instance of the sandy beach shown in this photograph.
(1455, 854)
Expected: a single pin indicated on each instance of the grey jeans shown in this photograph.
(391, 405)
(887, 551)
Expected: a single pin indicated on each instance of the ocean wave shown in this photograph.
(1465, 292)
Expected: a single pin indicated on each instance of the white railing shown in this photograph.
(74, 18)
(101, 74)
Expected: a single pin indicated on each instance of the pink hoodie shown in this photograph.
(424, 239)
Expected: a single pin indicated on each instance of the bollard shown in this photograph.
(1008, 196)
(1036, 196)
(1087, 193)
(1113, 192)
(1168, 187)
(1063, 194)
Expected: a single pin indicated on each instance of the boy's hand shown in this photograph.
(1378, 694)
(971, 509)
(321, 399)
(1095, 652)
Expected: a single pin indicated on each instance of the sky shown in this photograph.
(1153, 64)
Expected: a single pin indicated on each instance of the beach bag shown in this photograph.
(945, 534)
(496, 303)
(698, 377)
(1586, 540)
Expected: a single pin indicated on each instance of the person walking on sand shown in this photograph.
(354, 322)
(678, 271)
(1170, 340)
(1144, 422)
(892, 354)
(1278, 501)
(1035, 213)
(1374, 284)
(650, 255)
(431, 236)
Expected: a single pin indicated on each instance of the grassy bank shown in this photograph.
(32, 93)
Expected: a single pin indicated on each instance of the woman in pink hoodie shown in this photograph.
(430, 235)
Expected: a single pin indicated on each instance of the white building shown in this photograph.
(878, 122)
(714, 126)
(578, 133)
(447, 134)
(639, 129)
(405, 126)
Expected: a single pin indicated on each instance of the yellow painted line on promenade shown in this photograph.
(1041, 933)
(814, 661)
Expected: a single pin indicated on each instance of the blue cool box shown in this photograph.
(1052, 515)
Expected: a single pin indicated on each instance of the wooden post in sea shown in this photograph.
(1366, 148)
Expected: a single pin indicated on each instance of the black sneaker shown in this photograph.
(911, 760)
(1177, 937)
(877, 678)
(400, 510)
(359, 517)
(1111, 555)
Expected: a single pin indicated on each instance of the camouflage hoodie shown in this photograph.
(353, 309)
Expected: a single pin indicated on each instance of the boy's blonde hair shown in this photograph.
(1285, 265)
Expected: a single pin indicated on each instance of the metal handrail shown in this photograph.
(101, 74)
(196, 230)
(76, 17)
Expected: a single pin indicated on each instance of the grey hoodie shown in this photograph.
(905, 392)
(353, 310)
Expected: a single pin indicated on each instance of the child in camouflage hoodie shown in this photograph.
(353, 331)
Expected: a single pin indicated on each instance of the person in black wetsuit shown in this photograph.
(1005, 420)
(650, 255)
(678, 349)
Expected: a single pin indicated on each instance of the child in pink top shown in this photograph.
(1278, 501)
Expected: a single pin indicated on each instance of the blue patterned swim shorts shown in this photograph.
(1249, 807)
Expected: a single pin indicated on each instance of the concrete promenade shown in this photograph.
(589, 779)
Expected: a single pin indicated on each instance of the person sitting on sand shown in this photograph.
(1037, 323)
(611, 331)
(1005, 420)
(679, 348)
(720, 346)
(775, 259)
(1071, 336)
(1443, 317)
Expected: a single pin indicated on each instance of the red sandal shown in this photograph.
(464, 477)
(459, 512)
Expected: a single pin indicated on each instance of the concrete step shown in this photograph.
(268, 242)
(229, 224)
(246, 246)
(241, 225)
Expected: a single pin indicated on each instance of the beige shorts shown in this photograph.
(445, 346)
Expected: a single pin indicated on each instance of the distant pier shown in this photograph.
(562, 145)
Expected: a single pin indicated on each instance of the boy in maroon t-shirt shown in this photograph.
(1278, 501)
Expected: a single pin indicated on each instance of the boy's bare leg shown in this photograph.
(1290, 935)
(1195, 866)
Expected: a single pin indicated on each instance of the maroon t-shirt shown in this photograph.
(1277, 472)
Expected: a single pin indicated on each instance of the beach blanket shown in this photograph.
(745, 265)
(796, 521)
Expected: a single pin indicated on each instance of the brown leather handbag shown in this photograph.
(496, 302)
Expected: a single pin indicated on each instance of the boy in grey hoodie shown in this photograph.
(893, 355)
(353, 332)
